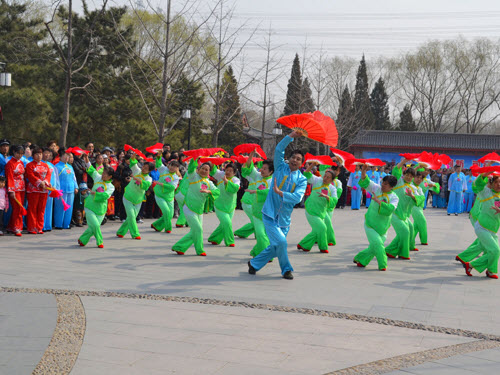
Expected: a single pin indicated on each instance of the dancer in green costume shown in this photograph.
(96, 204)
(228, 185)
(405, 190)
(164, 193)
(486, 226)
(377, 218)
(137, 186)
(179, 197)
(252, 176)
(259, 195)
(417, 212)
(419, 202)
(199, 188)
(323, 196)
(330, 233)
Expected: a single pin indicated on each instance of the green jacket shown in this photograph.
(194, 199)
(487, 217)
(98, 202)
(406, 203)
(226, 202)
(316, 205)
(378, 217)
(252, 175)
(262, 189)
(170, 182)
(134, 192)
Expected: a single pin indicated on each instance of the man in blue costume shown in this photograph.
(288, 188)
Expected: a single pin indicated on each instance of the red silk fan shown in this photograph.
(128, 148)
(492, 156)
(204, 152)
(155, 148)
(215, 160)
(312, 126)
(78, 151)
(350, 164)
(445, 159)
(429, 161)
(320, 159)
(492, 169)
(410, 156)
(342, 155)
(243, 159)
(247, 148)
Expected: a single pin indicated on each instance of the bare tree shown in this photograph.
(75, 53)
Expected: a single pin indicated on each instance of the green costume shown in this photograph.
(194, 204)
(252, 175)
(377, 222)
(96, 206)
(179, 197)
(132, 200)
(330, 233)
(225, 205)
(486, 227)
(316, 209)
(164, 196)
(261, 187)
(417, 212)
(474, 249)
(400, 245)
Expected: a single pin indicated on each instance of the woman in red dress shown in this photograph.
(14, 171)
(37, 180)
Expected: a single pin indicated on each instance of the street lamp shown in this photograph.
(187, 115)
(5, 78)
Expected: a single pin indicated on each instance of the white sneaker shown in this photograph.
(140, 221)
(1, 233)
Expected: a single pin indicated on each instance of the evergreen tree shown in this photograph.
(344, 118)
(379, 106)
(406, 122)
(231, 133)
(307, 104)
(294, 92)
(361, 102)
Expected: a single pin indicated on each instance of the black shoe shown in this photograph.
(251, 270)
(288, 275)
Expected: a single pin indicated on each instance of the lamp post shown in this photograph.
(276, 132)
(187, 115)
(5, 78)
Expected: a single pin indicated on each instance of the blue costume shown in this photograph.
(68, 184)
(469, 194)
(3, 162)
(54, 182)
(277, 210)
(375, 177)
(356, 192)
(456, 185)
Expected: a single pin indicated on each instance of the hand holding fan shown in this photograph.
(204, 152)
(155, 148)
(342, 156)
(320, 159)
(491, 157)
(247, 148)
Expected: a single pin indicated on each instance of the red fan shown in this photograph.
(342, 155)
(429, 161)
(243, 159)
(311, 127)
(151, 160)
(204, 152)
(350, 164)
(445, 159)
(410, 156)
(374, 162)
(492, 169)
(155, 148)
(320, 159)
(23, 210)
(492, 156)
(329, 124)
(247, 148)
(139, 153)
(78, 151)
(215, 160)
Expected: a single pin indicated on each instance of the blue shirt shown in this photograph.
(354, 179)
(457, 182)
(67, 178)
(3, 161)
(292, 184)
(54, 175)
(470, 180)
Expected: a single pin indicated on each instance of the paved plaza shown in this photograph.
(135, 307)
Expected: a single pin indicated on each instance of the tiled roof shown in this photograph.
(386, 138)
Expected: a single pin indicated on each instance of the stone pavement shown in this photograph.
(429, 290)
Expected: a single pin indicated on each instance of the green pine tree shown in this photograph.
(406, 122)
(379, 106)
(231, 133)
(361, 101)
(294, 92)
(344, 119)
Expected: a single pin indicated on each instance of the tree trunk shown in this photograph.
(163, 107)
(215, 132)
(67, 86)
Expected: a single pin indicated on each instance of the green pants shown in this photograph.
(93, 229)
(411, 227)
(330, 233)
(260, 235)
(167, 210)
(318, 233)
(181, 220)
(375, 249)
(195, 235)
(419, 223)
(400, 245)
(474, 249)
(130, 224)
(247, 229)
(224, 230)
(489, 244)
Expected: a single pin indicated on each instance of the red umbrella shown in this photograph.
(312, 126)
(204, 152)
(155, 148)
(320, 159)
(247, 148)
(342, 155)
